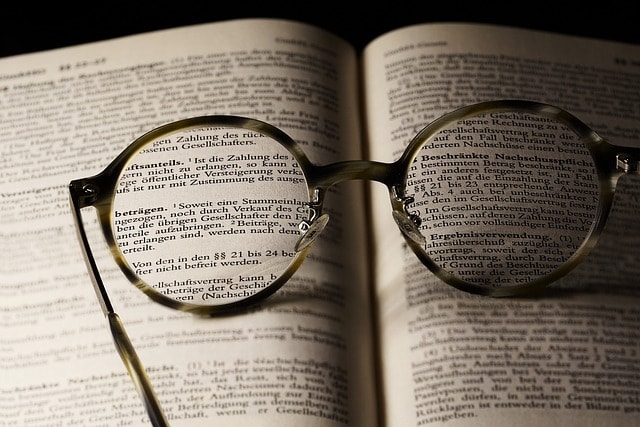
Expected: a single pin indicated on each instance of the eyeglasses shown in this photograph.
(212, 214)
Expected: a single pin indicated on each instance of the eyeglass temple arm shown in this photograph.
(121, 339)
(136, 371)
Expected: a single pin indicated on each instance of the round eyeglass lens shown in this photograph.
(505, 198)
(209, 215)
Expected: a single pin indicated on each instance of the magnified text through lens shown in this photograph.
(209, 215)
(505, 198)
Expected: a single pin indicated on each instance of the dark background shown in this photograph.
(28, 27)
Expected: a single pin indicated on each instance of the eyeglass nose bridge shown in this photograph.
(330, 174)
(321, 178)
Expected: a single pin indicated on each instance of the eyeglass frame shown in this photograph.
(98, 191)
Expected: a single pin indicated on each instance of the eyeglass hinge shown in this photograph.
(89, 193)
(628, 163)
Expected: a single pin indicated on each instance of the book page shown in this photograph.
(303, 357)
(567, 356)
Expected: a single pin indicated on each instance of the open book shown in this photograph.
(362, 334)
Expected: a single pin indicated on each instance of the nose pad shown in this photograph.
(408, 225)
(311, 231)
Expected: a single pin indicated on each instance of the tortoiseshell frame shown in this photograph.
(98, 191)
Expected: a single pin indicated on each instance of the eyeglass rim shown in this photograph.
(602, 153)
(103, 189)
(107, 181)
